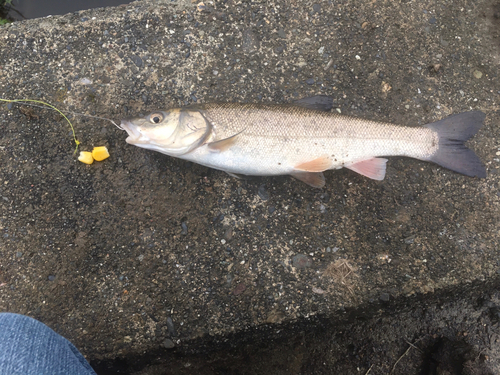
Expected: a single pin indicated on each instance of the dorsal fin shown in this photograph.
(318, 103)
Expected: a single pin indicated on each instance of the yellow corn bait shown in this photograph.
(100, 153)
(86, 157)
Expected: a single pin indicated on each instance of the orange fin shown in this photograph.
(317, 165)
(223, 144)
(314, 179)
(372, 168)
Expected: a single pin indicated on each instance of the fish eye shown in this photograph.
(156, 118)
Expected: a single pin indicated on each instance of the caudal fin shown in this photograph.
(453, 132)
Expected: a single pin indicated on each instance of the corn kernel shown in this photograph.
(86, 157)
(100, 153)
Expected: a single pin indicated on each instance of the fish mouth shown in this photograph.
(134, 136)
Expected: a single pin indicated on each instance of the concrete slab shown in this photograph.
(142, 251)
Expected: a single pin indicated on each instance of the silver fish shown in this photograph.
(302, 139)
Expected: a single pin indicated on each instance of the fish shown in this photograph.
(302, 139)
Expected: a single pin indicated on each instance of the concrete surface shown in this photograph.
(142, 260)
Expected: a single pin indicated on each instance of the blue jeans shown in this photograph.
(29, 347)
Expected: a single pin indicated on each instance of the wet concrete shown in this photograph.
(142, 252)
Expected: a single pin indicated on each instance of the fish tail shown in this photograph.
(452, 153)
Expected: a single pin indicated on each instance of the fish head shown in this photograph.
(173, 132)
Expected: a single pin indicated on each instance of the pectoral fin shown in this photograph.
(317, 165)
(314, 179)
(223, 144)
(237, 175)
(372, 168)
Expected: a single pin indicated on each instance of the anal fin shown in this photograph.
(372, 168)
(314, 179)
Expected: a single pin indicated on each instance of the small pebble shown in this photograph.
(137, 60)
(434, 68)
(184, 228)
(85, 81)
(201, 7)
(301, 261)
(240, 288)
(171, 327)
(477, 74)
(228, 234)
(169, 344)
(51, 278)
(318, 290)
(19, 254)
(310, 81)
(409, 240)
(384, 297)
(263, 193)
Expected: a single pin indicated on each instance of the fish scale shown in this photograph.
(292, 135)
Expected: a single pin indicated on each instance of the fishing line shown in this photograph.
(45, 105)
(82, 114)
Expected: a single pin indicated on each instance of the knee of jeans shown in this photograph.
(15, 318)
